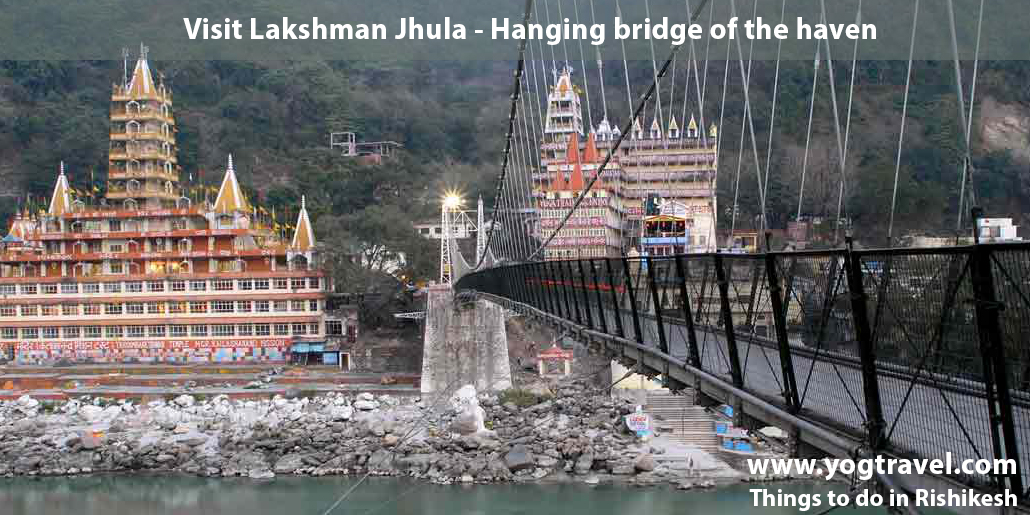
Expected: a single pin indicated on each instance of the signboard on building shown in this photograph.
(639, 422)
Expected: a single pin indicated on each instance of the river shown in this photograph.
(188, 495)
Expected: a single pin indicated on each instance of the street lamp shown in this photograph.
(451, 200)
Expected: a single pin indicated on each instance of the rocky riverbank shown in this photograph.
(577, 434)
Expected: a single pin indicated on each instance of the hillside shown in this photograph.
(275, 118)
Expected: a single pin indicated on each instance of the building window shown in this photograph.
(28, 289)
(198, 285)
(112, 308)
(155, 286)
(115, 267)
(222, 284)
(198, 307)
(312, 328)
(70, 288)
(134, 331)
(222, 330)
(51, 332)
(245, 284)
(9, 333)
(298, 283)
(314, 283)
(282, 329)
(297, 305)
(91, 331)
(244, 330)
(260, 284)
(134, 287)
(69, 309)
(49, 289)
(280, 283)
(156, 331)
(71, 332)
(178, 286)
(198, 330)
(113, 331)
(281, 306)
(29, 333)
(30, 310)
(261, 306)
(221, 306)
(7, 289)
(334, 328)
(313, 305)
(243, 306)
(112, 287)
(261, 330)
(300, 329)
(49, 310)
(134, 308)
(177, 331)
(155, 308)
(91, 309)
(8, 310)
(91, 288)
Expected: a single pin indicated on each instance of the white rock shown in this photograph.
(185, 401)
(365, 396)
(341, 412)
(364, 405)
(280, 402)
(91, 413)
(28, 403)
(296, 415)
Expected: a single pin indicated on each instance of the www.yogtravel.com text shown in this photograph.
(865, 469)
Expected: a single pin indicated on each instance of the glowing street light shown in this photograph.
(451, 200)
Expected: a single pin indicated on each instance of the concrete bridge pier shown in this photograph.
(465, 343)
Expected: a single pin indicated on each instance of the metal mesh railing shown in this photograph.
(917, 351)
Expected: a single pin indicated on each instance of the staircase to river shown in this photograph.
(676, 417)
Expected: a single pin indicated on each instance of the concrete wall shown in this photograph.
(464, 344)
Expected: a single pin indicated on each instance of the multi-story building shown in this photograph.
(146, 274)
(668, 166)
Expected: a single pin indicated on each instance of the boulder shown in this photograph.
(364, 405)
(184, 401)
(584, 463)
(90, 413)
(341, 413)
(519, 458)
(289, 464)
(645, 463)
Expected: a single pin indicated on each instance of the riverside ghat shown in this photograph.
(577, 435)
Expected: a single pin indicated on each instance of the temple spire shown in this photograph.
(303, 236)
(60, 202)
(230, 196)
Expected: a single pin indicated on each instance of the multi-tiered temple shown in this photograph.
(674, 168)
(148, 274)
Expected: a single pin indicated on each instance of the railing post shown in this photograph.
(586, 294)
(866, 351)
(632, 300)
(570, 291)
(600, 302)
(656, 301)
(992, 351)
(615, 298)
(790, 386)
(727, 321)
(688, 316)
(554, 296)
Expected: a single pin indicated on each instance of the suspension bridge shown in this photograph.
(861, 352)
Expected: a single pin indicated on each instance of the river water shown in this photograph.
(187, 495)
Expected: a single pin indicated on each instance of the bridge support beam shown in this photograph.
(867, 353)
(656, 303)
(727, 320)
(790, 385)
(688, 317)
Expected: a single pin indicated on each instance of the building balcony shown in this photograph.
(141, 193)
(115, 173)
(123, 155)
(142, 136)
(122, 116)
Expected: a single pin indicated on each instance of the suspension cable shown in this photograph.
(808, 135)
(583, 67)
(836, 113)
(722, 117)
(847, 125)
(966, 163)
(618, 142)
(749, 120)
(772, 110)
(901, 133)
(520, 68)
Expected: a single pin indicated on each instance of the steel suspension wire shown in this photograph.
(583, 67)
(966, 163)
(746, 121)
(901, 133)
(625, 70)
(847, 124)
(836, 113)
(808, 134)
(722, 117)
(516, 187)
(532, 148)
(772, 116)
(513, 110)
(564, 46)
(554, 61)
(618, 142)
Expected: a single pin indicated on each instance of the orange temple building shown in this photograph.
(146, 274)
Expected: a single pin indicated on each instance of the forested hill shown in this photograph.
(275, 118)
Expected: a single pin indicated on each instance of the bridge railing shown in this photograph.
(917, 352)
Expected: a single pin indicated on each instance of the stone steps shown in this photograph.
(680, 420)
